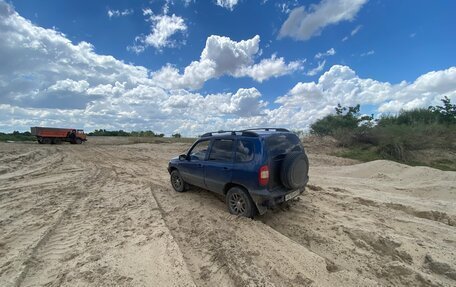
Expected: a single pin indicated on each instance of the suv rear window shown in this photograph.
(278, 144)
(222, 150)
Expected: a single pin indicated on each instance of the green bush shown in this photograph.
(17, 136)
(412, 117)
(396, 137)
(399, 141)
(445, 113)
(346, 120)
(103, 132)
(121, 133)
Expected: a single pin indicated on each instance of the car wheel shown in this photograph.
(78, 141)
(177, 182)
(239, 202)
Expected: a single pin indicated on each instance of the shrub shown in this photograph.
(17, 136)
(412, 117)
(103, 132)
(346, 120)
(445, 113)
(399, 141)
(397, 137)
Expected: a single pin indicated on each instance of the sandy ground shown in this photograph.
(105, 215)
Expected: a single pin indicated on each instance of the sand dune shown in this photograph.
(105, 215)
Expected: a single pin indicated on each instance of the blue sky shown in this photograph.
(307, 57)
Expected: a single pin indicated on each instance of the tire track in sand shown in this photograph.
(58, 235)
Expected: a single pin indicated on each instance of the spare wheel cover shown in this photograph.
(294, 170)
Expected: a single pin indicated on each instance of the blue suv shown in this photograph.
(254, 169)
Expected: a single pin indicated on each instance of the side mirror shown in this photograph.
(183, 157)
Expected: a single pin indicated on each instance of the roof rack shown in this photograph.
(246, 132)
(268, 129)
(219, 132)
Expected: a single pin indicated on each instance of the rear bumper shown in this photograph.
(265, 199)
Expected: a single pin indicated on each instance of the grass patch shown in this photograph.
(443, 164)
(360, 154)
(370, 154)
(16, 137)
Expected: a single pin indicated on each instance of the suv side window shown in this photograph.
(198, 152)
(244, 151)
(222, 150)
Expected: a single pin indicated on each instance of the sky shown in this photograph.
(190, 67)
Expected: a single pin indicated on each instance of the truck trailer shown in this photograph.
(58, 135)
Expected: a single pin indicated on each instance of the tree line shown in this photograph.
(122, 133)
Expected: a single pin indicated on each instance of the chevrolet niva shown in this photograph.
(253, 169)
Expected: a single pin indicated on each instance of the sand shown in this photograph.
(105, 215)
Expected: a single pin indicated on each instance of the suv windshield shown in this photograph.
(278, 144)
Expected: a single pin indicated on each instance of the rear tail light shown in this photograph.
(263, 175)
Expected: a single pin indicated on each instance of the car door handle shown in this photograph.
(226, 168)
(200, 165)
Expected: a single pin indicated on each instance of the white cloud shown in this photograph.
(69, 85)
(147, 12)
(318, 69)
(330, 52)
(353, 32)
(286, 7)
(309, 101)
(229, 55)
(163, 28)
(107, 89)
(47, 80)
(302, 24)
(426, 90)
(267, 68)
(118, 13)
(223, 56)
(187, 2)
(246, 102)
(228, 4)
(37, 61)
(368, 53)
(356, 30)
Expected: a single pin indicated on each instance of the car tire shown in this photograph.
(295, 169)
(239, 202)
(177, 182)
(78, 141)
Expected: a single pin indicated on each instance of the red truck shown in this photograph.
(58, 135)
